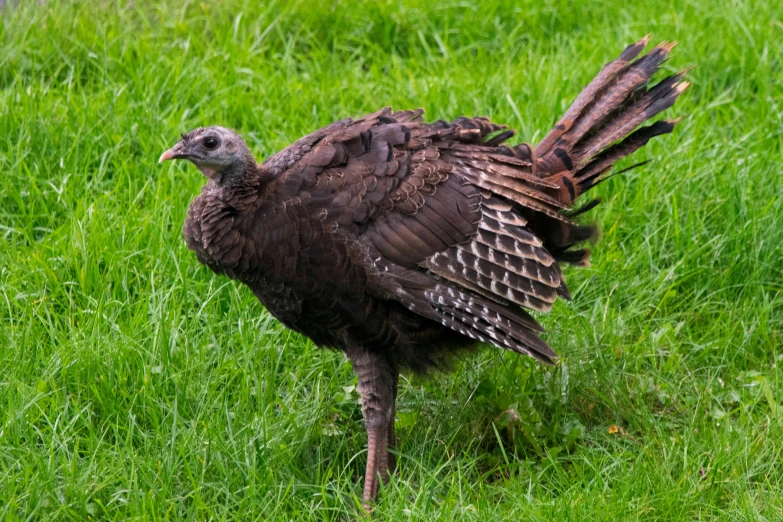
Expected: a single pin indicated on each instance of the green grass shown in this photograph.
(136, 385)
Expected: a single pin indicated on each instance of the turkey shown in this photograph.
(401, 242)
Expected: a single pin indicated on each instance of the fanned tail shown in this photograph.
(599, 127)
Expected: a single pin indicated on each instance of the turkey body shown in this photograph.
(316, 278)
(401, 242)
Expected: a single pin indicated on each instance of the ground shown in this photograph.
(136, 385)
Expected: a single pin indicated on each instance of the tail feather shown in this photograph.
(589, 93)
(600, 128)
(590, 175)
(590, 205)
(620, 92)
(594, 132)
(656, 100)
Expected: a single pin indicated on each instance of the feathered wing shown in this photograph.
(461, 229)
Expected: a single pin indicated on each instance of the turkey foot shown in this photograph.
(377, 386)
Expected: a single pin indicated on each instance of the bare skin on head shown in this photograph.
(402, 242)
(219, 153)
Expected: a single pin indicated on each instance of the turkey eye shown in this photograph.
(211, 143)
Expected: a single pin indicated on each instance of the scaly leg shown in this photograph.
(392, 437)
(377, 382)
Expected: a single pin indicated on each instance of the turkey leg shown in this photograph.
(377, 386)
(392, 438)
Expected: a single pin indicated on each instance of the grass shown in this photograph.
(135, 385)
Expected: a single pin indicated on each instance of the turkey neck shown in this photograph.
(240, 186)
(237, 174)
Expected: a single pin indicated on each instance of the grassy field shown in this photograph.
(135, 385)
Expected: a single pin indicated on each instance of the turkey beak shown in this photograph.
(175, 152)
